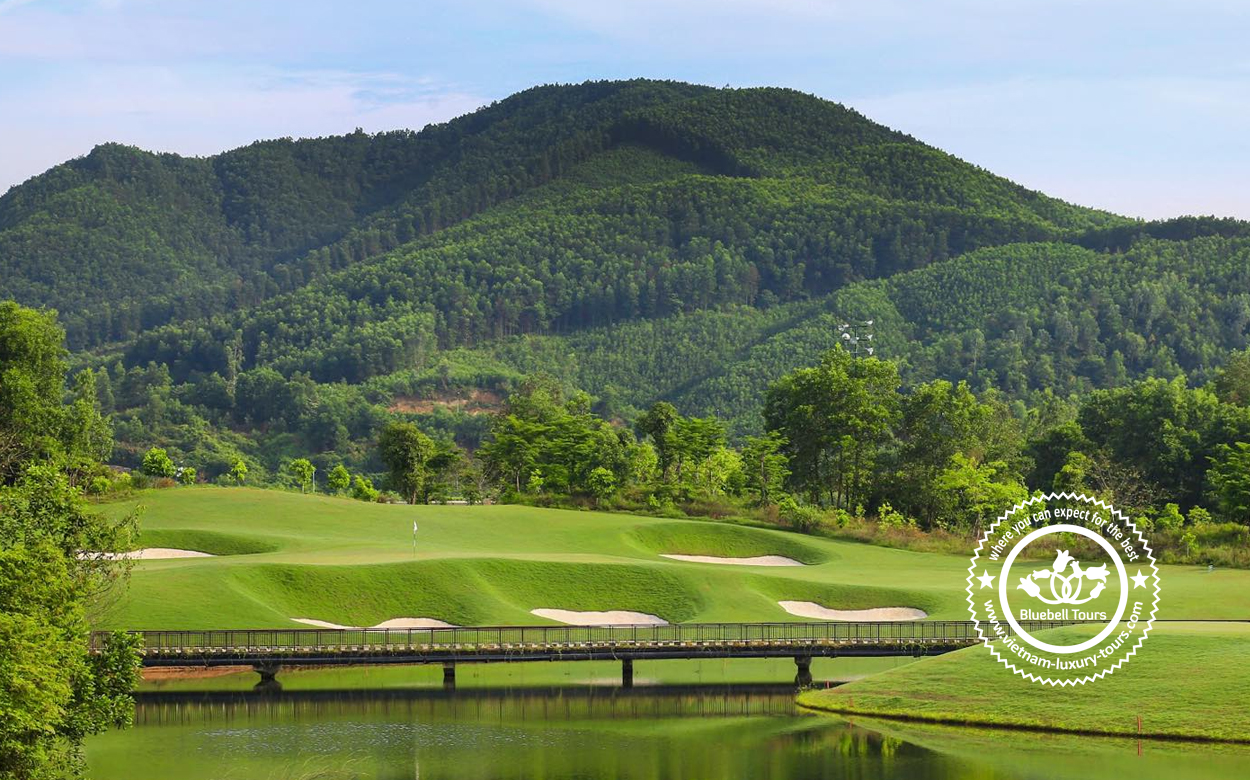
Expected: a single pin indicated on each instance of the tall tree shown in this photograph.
(304, 472)
(1232, 383)
(53, 693)
(657, 422)
(835, 417)
(406, 451)
(1229, 478)
(766, 467)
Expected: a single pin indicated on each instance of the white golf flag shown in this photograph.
(414, 526)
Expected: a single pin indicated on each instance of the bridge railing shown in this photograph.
(927, 632)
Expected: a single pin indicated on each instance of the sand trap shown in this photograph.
(616, 617)
(758, 560)
(810, 609)
(392, 623)
(146, 554)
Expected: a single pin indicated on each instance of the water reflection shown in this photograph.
(691, 732)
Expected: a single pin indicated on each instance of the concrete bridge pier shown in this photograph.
(804, 676)
(449, 675)
(268, 671)
(627, 673)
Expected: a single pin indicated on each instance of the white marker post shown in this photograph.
(414, 538)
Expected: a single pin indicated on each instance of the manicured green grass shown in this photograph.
(1188, 680)
(213, 542)
(353, 563)
(729, 541)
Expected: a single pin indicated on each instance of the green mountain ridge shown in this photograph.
(639, 239)
(231, 231)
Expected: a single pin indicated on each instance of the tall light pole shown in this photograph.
(856, 337)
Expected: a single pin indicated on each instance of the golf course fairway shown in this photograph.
(279, 556)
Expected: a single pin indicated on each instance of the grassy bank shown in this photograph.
(1188, 681)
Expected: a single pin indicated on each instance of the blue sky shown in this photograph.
(1138, 107)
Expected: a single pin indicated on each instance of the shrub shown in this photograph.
(1169, 518)
(339, 479)
(363, 490)
(839, 518)
(888, 517)
(803, 519)
(157, 463)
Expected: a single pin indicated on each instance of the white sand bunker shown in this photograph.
(392, 623)
(618, 617)
(758, 560)
(146, 554)
(810, 609)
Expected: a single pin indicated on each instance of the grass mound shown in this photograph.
(1187, 681)
(727, 541)
(846, 597)
(214, 542)
(461, 591)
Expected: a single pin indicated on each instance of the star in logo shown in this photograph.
(1140, 580)
(987, 579)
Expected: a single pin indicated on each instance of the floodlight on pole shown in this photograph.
(853, 332)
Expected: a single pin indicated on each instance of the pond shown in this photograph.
(548, 725)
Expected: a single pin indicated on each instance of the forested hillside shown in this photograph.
(639, 240)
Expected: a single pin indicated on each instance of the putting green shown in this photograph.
(284, 555)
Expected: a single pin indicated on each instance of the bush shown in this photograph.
(889, 518)
(803, 519)
(157, 463)
(339, 479)
(839, 518)
(363, 490)
(1169, 518)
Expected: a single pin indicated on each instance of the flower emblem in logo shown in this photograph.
(1065, 589)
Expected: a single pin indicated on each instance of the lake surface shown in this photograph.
(693, 731)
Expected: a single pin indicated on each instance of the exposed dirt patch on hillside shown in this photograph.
(471, 402)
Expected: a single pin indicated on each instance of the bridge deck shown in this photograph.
(553, 643)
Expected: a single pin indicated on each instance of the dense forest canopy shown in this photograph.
(644, 241)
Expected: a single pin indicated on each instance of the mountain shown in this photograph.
(123, 240)
(641, 239)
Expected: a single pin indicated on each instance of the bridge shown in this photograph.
(268, 650)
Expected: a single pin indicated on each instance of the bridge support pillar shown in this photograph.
(449, 674)
(804, 676)
(268, 672)
(627, 673)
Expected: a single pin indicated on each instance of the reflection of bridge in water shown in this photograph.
(498, 705)
(267, 651)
